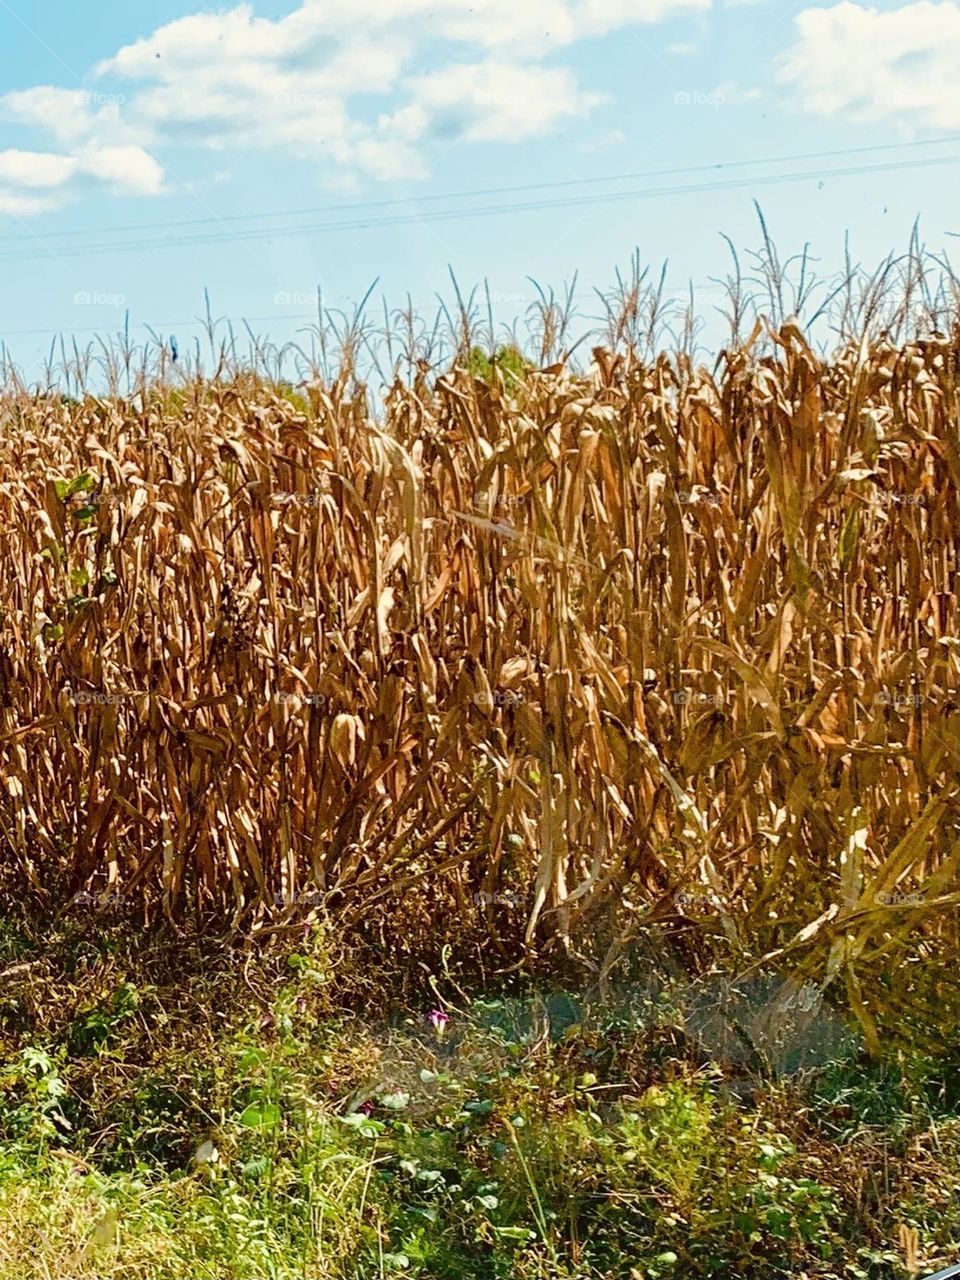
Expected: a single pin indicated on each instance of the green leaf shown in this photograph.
(83, 481)
(65, 489)
(850, 536)
(364, 1125)
(37, 1059)
(396, 1101)
(251, 1058)
(104, 1230)
(256, 1168)
(477, 1108)
(260, 1115)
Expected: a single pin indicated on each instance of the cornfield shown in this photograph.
(560, 652)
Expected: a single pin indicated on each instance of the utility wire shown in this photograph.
(445, 215)
(478, 192)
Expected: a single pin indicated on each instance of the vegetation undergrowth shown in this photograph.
(174, 1109)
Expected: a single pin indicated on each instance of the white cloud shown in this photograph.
(493, 102)
(34, 182)
(35, 169)
(607, 15)
(901, 64)
(68, 114)
(125, 168)
(358, 87)
(21, 206)
(239, 34)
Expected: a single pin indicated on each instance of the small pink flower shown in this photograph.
(439, 1020)
(365, 1107)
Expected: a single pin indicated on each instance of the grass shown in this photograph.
(163, 1117)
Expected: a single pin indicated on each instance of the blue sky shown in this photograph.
(138, 140)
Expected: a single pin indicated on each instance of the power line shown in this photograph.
(638, 175)
(445, 215)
